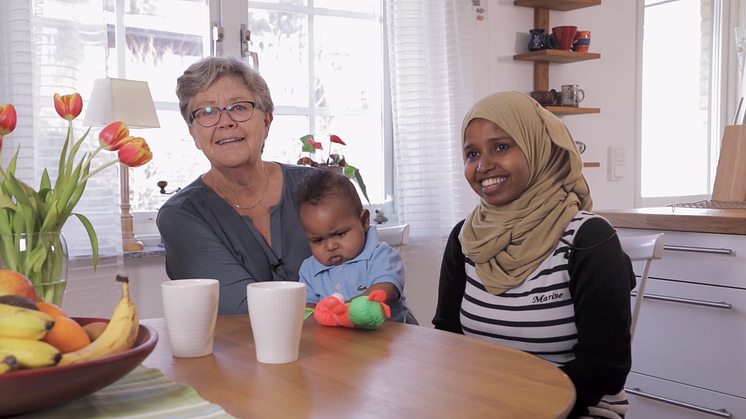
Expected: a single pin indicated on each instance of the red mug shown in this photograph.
(565, 36)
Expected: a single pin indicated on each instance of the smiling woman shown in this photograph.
(238, 223)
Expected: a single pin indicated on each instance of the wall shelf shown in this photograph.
(570, 110)
(562, 5)
(556, 56)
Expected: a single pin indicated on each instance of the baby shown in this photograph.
(347, 257)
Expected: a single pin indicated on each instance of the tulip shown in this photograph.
(68, 106)
(113, 137)
(335, 139)
(135, 152)
(7, 119)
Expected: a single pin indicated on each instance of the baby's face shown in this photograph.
(335, 232)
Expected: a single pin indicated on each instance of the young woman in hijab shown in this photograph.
(531, 267)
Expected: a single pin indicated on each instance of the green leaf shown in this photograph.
(68, 189)
(45, 183)
(92, 236)
(36, 258)
(307, 147)
(354, 174)
(50, 221)
(6, 202)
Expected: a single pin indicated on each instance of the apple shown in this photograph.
(13, 283)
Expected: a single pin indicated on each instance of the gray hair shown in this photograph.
(200, 75)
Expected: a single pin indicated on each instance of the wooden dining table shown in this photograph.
(395, 371)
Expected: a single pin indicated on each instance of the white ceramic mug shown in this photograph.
(572, 95)
(276, 311)
(191, 310)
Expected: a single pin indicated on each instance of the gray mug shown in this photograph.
(572, 95)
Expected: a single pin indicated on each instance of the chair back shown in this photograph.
(642, 248)
(395, 235)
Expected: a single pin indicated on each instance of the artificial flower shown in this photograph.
(68, 106)
(333, 161)
(135, 152)
(113, 136)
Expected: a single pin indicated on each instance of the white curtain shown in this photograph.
(48, 47)
(431, 89)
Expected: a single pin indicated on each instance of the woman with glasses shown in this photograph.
(238, 222)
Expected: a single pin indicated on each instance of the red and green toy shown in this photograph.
(365, 311)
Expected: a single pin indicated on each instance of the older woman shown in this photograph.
(531, 267)
(238, 222)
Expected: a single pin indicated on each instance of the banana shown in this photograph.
(8, 363)
(119, 335)
(23, 323)
(30, 353)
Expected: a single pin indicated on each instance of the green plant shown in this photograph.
(332, 161)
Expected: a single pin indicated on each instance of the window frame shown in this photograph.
(724, 88)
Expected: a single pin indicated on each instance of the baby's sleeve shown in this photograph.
(386, 265)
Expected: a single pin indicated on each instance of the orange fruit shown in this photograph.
(50, 309)
(67, 335)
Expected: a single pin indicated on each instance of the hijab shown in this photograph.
(508, 242)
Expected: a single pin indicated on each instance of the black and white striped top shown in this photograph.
(538, 316)
(573, 310)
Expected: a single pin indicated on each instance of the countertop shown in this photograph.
(698, 220)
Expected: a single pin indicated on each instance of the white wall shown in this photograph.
(609, 82)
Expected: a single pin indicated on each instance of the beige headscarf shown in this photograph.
(508, 242)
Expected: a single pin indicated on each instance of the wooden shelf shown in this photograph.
(556, 56)
(592, 164)
(562, 5)
(570, 110)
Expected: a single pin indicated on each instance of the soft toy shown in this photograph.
(365, 311)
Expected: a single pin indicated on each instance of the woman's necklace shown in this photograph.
(225, 197)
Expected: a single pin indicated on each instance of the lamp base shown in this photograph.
(132, 244)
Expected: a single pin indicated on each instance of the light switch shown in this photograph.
(616, 163)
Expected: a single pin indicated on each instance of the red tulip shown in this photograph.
(68, 106)
(336, 139)
(135, 152)
(114, 135)
(7, 119)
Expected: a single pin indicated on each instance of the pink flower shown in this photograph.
(68, 106)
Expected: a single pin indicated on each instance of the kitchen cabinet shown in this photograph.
(543, 58)
(689, 349)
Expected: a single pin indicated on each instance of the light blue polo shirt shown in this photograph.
(377, 263)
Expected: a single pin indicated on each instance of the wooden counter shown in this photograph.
(698, 220)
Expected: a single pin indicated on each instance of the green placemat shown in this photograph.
(143, 393)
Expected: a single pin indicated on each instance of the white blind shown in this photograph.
(431, 90)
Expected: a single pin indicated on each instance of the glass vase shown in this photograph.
(42, 258)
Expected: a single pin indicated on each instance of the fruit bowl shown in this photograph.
(34, 389)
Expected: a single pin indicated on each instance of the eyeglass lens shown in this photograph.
(210, 115)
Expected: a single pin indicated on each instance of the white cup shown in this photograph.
(191, 309)
(276, 311)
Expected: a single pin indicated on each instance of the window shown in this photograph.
(323, 61)
(683, 98)
(323, 81)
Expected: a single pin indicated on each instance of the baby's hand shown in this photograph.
(332, 311)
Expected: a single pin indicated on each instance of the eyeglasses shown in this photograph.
(210, 115)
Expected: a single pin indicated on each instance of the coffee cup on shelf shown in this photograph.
(572, 95)
(565, 36)
(582, 41)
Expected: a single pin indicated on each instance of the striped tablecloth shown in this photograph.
(143, 393)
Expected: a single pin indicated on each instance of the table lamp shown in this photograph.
(128, 101)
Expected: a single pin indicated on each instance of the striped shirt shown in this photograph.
(538, 316)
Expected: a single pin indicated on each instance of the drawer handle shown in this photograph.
(721, 413)
(712, 304)
(710, 250)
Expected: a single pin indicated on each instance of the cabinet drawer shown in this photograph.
(711, 405)
(691, 343)
(717, 259)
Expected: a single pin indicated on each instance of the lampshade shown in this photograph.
(128, 101)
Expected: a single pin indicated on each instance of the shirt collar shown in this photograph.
(371, 240)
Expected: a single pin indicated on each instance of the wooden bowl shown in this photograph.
(545, 97)
(34, 389)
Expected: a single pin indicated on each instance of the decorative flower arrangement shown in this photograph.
(31, 220)
(332, 161)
